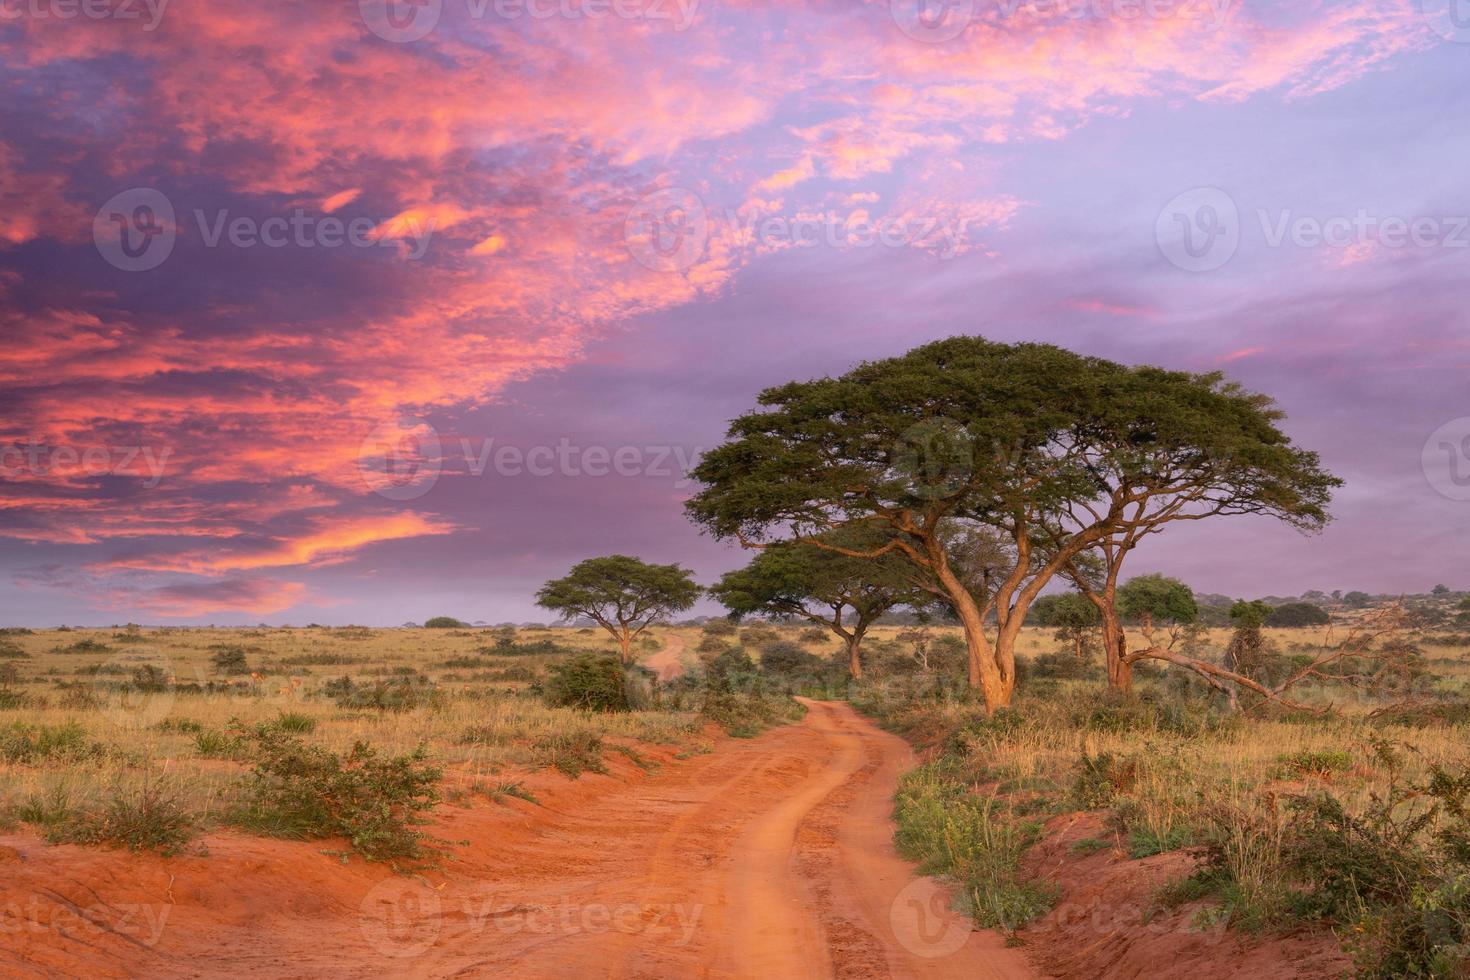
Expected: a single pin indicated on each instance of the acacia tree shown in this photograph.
(623, 595)
(843, 594)
(962, 430)
(1062, 454)
(1164, 447)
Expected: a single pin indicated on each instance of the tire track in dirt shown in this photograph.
(771, 857)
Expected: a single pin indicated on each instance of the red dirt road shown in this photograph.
(768, 858)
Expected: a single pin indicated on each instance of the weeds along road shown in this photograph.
(770, 858)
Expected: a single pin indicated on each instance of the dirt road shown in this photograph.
(768, 858)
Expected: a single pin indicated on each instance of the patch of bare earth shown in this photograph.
(1108, 925)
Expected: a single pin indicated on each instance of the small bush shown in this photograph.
(1320, 764)
(213, 744)
(10, 650)
(948, 830)
(31, 744)
(85, 646)
(788, 660)
(571, 753)
(230, 660)
(1101, 778)
(304, 792)
(590, 681)
(400, 695)
(445, 623)
(294, 722)
(147, 818)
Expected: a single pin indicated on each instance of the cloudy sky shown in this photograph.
(319, 310)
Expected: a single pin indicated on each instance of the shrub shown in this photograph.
(1314, 763)
(445, 623)
(814, 635)
(1101, 778)
(403, 694)
(788, 660)
(1297, 614)
(148, 818)
(754, 636)
(85, 646)
(720, 627)
(31, 744)
(569, 752)
(295, 722)
(589, 681)
(305, 792)
(230, 660)
(746, 715)
(212, 744)
(948, 830)
(711, 643)
(10, 650)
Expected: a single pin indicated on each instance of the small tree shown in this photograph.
(1159, 599)
(1358, 600)
(843, 594)
(1072, 615)
(621, 594)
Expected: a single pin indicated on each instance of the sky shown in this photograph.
(363, 312)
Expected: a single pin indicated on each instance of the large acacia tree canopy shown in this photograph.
(618, 591)
(971, 428)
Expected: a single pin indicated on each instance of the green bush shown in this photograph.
(571, 752)
(32, 744)
(949, 830)
(305, 792)
(85, 646)
(10, 650)
(230, 660)
(147, 818)
(445, 623)
(403, 694)
(589, 681)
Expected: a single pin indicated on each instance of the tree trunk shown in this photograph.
(985, 666)
(1120, 670)
(854, 658)
(625, 641)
